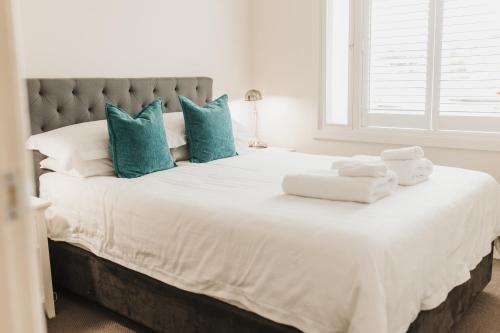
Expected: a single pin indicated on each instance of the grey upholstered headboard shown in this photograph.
(55, 103)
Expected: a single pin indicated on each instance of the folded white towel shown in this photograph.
(351, 167)
(367, 158)
(411, 172)
(327, 184)
(409, 153)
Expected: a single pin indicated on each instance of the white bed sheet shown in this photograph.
(225, 229)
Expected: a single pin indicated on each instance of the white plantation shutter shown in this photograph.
(470, 65)
(398, 53)
(420, 64)
(398, 57)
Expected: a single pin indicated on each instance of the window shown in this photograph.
(469, 95)
(421, 65)
(397, 63)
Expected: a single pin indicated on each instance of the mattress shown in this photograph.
(226, 230)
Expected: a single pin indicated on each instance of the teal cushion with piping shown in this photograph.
(138, 144)
(209, 130)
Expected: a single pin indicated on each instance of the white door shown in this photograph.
(20, 297)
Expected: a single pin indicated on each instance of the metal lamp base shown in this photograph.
(257, 144)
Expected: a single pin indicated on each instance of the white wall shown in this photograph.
(286, 54)
(130, 38)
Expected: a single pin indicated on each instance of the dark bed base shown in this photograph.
(164, 308)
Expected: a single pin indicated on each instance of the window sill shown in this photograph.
(442, 139)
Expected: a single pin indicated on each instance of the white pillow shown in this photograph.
(71, 145)
(83, 169)
(181, 153)
(242, 137)
(175, 128)
(176, 131)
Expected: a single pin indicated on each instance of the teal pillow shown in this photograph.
(138, 144)
(208, 129)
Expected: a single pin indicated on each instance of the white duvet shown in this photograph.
(225, 229)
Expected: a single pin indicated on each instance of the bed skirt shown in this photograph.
(164, 308)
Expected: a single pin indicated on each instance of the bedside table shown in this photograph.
(39, 207)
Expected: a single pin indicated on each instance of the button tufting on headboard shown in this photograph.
(72, 97)
(81, 100)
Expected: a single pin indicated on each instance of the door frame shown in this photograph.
(21, 301)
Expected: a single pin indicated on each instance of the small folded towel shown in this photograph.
(411, 172)
(351, 167)
(409, 153)
(327, 184)
(367, 158)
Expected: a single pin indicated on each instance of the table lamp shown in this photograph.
(254, 96)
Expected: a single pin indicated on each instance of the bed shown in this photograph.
(218, 248)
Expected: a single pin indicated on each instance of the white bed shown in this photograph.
(225, 229)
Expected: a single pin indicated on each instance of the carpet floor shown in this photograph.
(75, 315)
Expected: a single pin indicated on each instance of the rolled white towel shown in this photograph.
(351, 167)
(411, 172)
(327, 184)
(408, 153)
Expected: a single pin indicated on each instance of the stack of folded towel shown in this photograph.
(362, 178)
(408, 163)
(349, 180)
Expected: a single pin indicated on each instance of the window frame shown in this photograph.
(432, 130)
